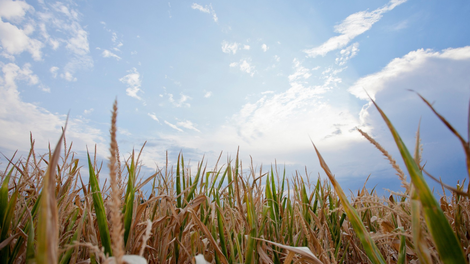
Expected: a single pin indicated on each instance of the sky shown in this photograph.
(267, 77)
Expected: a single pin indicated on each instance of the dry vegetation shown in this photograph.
(225, 214)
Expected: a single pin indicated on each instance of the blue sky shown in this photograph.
(265, 76)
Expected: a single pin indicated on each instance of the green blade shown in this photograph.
(99, 210)
(129, 203)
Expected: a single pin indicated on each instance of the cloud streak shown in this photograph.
(353, 26)
(109, 54)
(206, 9)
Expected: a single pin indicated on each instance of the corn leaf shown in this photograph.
(99, 210)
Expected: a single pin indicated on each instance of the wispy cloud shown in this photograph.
(53, 71)
(173, 126)
(64, 20)
(182, 101)
(153, 116)
(245, 66)
(188, 124)
(347, 53)
(353, 26)
(300, 72)
(68, 76)
(108, 54)
(133, 81)
(19, 118)
(205, 9)
(200, 8)
(264, 47)
(229, 47)
(207, 94)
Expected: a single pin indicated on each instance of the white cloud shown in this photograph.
(180, 102)
(353, 26)
(300, 71)
(108, 54)
(173, 126)
(246, 47)
(44, 88)
(200, 8)
(133, 81)
(264, 47)
(18, 118)
(124, 131)
(14, 10)
(65, 23)
(77, 41)
(347, 53)
(53, 71)
(207, 94)
(410, 63)
(88, 111)
(277, 58)
(441, 77)
(244, 66)
(229, 47)
(153, 116)
(205, 9)
(15, 40)
(188, 124)
(68, 76)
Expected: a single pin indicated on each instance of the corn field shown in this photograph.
(225, 214)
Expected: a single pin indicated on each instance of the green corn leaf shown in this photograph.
(30, 243)
(99, 210)
(402, 253)
(220, 224)
(129, 203)
(368, 244)
(4, 197)
(196, 180)
(252, 226)
(446, 242)
(76, 237)
(230, 187)
(178, 182)
(5, 252)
